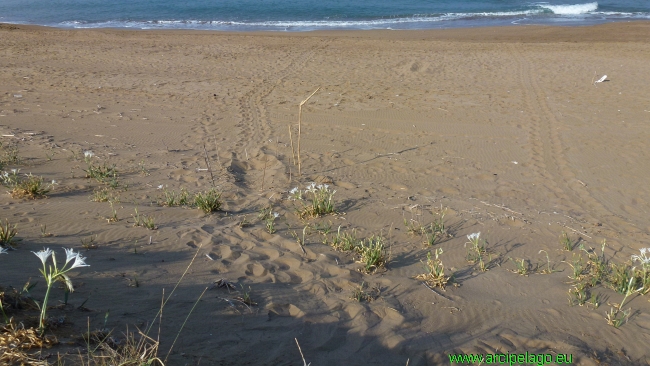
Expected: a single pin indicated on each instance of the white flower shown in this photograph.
(69, 255)
(43, 254)
(276, 215)
(79, 261)
(88, 154)
(160, 186)
(643, 258)
(293, 191)
(15, 171)
(474, 237)
(311, 188)
(3, 250)
(325, 186)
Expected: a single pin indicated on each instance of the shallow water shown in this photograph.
(303, 15)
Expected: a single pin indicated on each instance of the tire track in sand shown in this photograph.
(547, 153)
(254, 124)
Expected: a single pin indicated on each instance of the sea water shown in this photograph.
(305, 15)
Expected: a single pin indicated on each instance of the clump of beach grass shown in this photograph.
(579, 294)
(16, 341)
(413, 227)
(105, 350)
(616, 315)
(89, 243)
(7, 234)
(373, 253)
(208, 201)
(566, 242)
(103, 194)
(268, 216)
(9, 154)
(345, 241)
(29, 186)
(101, 173)
(596, 264)
(113, 217)
(44, 232)
(316, 200)
(548, 269)
(620, 277)
(522, 266)
(578, 268)
(436, 230)
(143, 220)
(361, 293)
(477, 252)
(172, 198)
(642, 275)
(434, 274)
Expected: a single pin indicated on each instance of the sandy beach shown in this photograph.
(501, 131)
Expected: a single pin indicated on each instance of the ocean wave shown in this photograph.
(540, 12)
(575, 9)
(420, 18)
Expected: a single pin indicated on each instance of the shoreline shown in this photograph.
(634, 31)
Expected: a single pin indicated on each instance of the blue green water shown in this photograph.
(303, 15)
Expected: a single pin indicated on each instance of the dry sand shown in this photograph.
(501, 126)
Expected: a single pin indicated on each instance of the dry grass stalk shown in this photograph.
(264, 172)
(216, 147)
(301, 355)
(293, 152)
(16, 340)
(207, 162)
(300, 125)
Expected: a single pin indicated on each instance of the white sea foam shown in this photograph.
(568, 13)
(308, 24)
(575, 9)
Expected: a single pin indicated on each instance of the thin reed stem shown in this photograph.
(183, 325)
(174, 289)
(299, 128)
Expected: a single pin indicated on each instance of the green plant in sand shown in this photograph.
(566, 242)
(102, 195)
(522, 266)
(373, 254)
(616, 315)
(436, 230)
(477, 251)
(29, 186)
(345, 241)
(434, 275)
(172, 198)
(548, 269)
(316, 200)
(143, 220)
(101, 173)
(9, 155)
(643, 275)
(361, 293)
(267, 215)
(7, 234)
(52, 273)
(209, 201)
